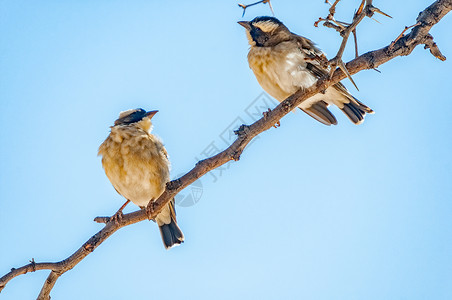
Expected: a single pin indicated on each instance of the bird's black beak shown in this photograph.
(245, 24)
(151, 113)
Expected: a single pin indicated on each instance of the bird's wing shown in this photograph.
(311, 51)
(318, 71)
(353, 108)
(317, 62)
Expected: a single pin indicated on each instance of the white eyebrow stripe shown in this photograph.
(266, 26)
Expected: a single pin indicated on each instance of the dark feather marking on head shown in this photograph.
(268, 39)
(265, 19)
(134, 117)
(258, 36)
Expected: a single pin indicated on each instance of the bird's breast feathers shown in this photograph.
(280, 70)
(136, 164)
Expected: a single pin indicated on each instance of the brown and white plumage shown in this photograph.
(284, 62)
(137, 165)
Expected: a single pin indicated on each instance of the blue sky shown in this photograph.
(312, 212)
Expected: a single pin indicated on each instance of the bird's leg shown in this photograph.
(150, 209)
(117, 217)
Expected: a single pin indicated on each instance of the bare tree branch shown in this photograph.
(332, 8)
(363, 11)
(48, 285)
(370, 60)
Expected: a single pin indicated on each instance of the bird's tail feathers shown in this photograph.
(171, 234)
(320, 112)
(355, 110)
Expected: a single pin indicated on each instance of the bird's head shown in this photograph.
(265, 31)
(136, 116)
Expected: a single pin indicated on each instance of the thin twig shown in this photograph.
(401, 34)
(337, 60)
(332, 8)
(365, 9)
(331, 25)
(245, 6)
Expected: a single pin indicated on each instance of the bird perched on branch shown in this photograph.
(137, 165)
(284, 62)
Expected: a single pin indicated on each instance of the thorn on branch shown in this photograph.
(344, 69)
(338, 62)
(365, 9)
(375, 20)
(245, 6)
(370, 10)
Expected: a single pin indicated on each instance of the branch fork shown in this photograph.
(365, 9)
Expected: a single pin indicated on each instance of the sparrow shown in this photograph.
(136, 163)
(284, 62)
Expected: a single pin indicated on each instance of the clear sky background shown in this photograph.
(309, 212)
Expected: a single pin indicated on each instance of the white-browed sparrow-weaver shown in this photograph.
(137, 165)
(284, 62)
